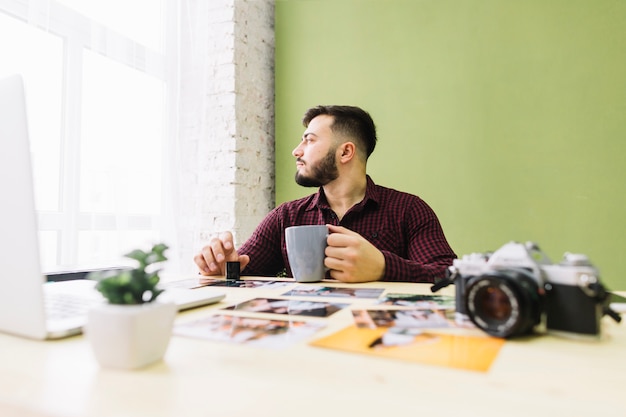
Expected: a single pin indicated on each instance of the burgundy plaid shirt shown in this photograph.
(402, 226)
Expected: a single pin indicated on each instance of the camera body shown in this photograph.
(516, 290)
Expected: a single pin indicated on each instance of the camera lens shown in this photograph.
(494, 303)
(504, 303)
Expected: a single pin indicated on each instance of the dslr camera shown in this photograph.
(516, 290)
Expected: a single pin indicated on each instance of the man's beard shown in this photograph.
(325, 172)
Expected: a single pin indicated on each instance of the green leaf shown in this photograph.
(132, 286)
(137, 255)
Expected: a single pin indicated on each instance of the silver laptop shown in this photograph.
(25, 297)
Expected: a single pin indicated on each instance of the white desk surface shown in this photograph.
(542, 375)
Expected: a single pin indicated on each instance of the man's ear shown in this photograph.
(347, 151)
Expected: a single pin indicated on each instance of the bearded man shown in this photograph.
(375, 233)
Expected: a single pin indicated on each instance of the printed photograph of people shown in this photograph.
(290, 307)
(402, 336)
(246, 283)
(246, 330)
(431, 301)
(346, 292)
(414, 318)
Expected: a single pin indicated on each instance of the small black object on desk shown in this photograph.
(232, 270)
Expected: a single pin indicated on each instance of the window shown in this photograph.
(96, 86)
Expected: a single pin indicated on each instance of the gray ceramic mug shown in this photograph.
(305, 250)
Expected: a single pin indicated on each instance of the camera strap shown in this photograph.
(603, 296)
(612, 314)
(451, 275)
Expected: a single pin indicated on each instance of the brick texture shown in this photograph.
(225, 128)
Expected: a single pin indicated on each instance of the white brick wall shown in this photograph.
(226, 120)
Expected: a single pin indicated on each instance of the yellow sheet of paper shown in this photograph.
(474, 353)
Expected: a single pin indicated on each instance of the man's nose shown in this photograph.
(297, 151)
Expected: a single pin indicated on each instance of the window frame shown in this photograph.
(80, 33)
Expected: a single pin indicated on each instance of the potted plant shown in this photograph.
(132, 329)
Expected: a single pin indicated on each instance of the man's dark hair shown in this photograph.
(349, 121)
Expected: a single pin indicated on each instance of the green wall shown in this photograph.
(507, 117)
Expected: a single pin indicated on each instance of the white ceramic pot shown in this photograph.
(130, 336)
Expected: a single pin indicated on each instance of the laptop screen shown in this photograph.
(21, 295)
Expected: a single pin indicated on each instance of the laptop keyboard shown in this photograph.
(62, 306)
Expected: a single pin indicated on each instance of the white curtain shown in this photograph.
(102, 86)
(150, 120)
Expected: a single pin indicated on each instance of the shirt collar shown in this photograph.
(319, 200)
